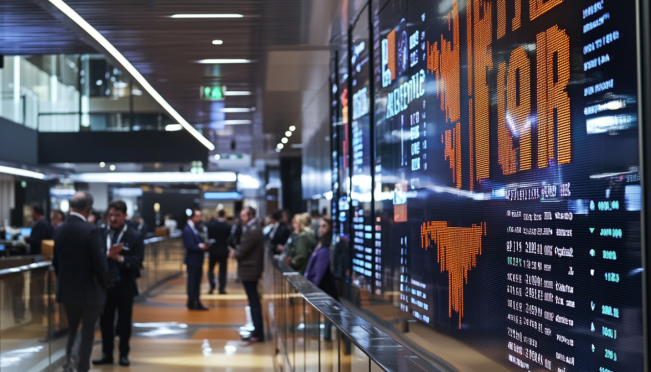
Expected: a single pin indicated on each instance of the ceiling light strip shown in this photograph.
(21, 172)
(222, 61)
(153, 177)
(193, 16)
(75, 17)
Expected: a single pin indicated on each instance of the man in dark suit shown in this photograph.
(82, 275)
(219, 231)
(126, 253)
(250, 258)
(194, 255)
(280, 233)
(41, 230)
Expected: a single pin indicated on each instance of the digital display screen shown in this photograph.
(506, 184)
(26, 231)
(362, 222)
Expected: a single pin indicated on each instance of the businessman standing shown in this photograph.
(126, 251)
(82, 275)
(219, 231)
(250, 259)
(194, 256)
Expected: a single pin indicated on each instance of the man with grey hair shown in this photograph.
(82, 276)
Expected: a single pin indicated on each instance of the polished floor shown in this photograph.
(168, 337)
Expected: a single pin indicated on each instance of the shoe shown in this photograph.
(199, 306)
(124, 361)
(105, 359)
(211, 291)
(221, 292)
(191, 305)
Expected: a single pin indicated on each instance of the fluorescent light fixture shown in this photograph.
(284, 140)
(62, 192)
(21, 172)
(153, 177)
(222, 195)
(194, 16)
(235, 110)
(128, 192)
(173, 127)
(236, 122)
(222, 61)
(237, 93)
(68, 11)
(288, 134)
(217, 42)
(292, 128)
(297, 145)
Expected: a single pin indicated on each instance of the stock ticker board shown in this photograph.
(504, 159)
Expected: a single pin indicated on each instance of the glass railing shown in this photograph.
(313, 332)
(33, 325)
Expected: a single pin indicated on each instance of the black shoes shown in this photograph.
(103, 360)
(211, 291)
(124, 361)
(222, 292)
(196, 305)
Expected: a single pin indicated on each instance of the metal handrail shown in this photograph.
(20, 269)
(385, 351)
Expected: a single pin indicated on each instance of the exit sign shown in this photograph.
(212, 93)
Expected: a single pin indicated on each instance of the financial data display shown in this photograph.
(507, 180)
(362, 223)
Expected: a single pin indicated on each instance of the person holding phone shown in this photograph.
(125, 251)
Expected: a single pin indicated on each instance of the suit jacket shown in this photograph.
(250, 254)
(133, 253)
(41, 230)
(80, 263)
(220, 231)
(281, 235)
(193, 254)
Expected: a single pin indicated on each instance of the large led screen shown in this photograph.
(507, 177)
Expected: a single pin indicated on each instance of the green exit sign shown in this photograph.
(212, 93)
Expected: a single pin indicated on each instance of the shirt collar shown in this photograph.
(191, 224)
(79, 215)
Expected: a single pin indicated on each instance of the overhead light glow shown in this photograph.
(292, 128)
(217, 42)
(21, 172)
(288, 134)
(247, 182)
(280, 146)
(112, 167)
(235, 110)
(194, 16)
(221, 61)
(217, 156)
(68, 11)
(173, 127)
(236, 122)
(237, 93)
(102, 164)
(153, 177)
(284, 140)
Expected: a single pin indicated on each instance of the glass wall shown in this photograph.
(72, 93)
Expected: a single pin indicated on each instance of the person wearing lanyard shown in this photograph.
(125, 250)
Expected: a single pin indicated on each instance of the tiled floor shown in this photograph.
(168, 337)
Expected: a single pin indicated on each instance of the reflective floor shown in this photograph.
(168, 337)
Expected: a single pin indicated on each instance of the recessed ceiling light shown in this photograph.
(120, 59)
(102, 165)
(280, 145)
(292, 128)
(207, 16)
(112, 167)
(217, 42)
(223, 61)
(288, 134)
(232, 110)
(217, 156)
(284, 140)
(237, 93)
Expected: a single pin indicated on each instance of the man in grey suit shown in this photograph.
(82, 275)
(250, 263)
